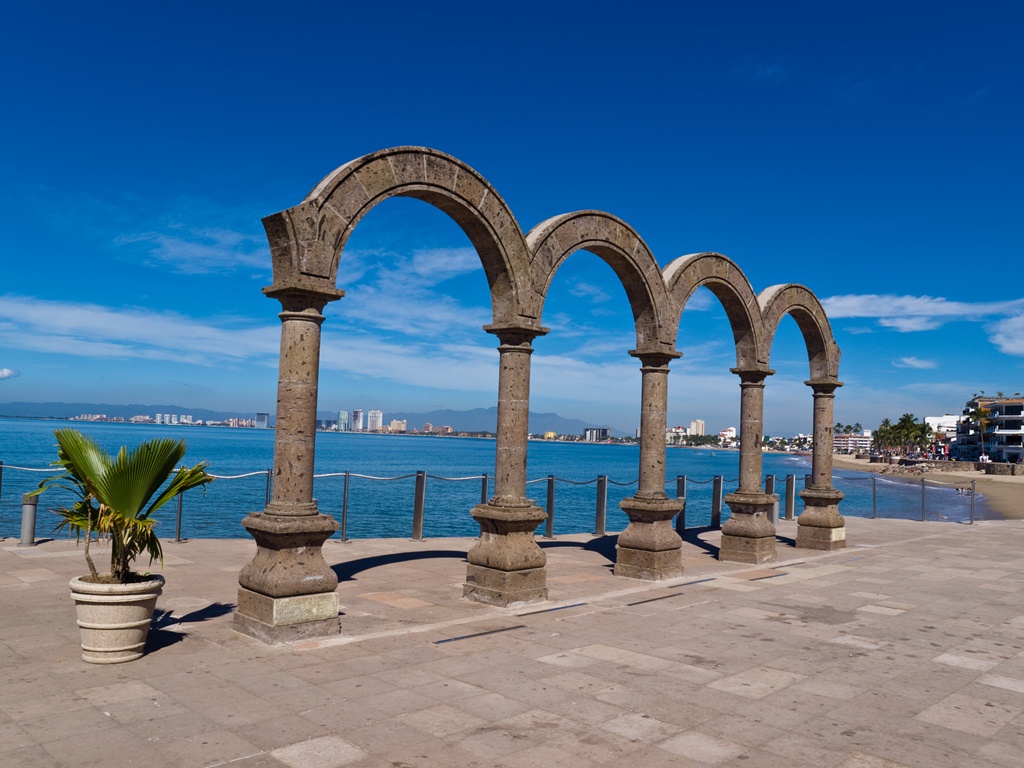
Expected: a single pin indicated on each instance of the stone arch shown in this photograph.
(552, 241)
(306, 241)
(730, 286)
(799, 302)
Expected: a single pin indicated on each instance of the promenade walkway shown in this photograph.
(906, 649)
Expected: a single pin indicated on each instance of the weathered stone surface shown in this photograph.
(748, 536)
(289, 558)
(505, 588)
(649, 548)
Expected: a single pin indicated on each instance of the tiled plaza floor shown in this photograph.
(906, 649)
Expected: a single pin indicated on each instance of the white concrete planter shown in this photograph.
(115, 618)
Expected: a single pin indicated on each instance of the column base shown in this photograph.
(505, 588)
(820, 526)
(748, 536)
(650, 548)
(285, 619)
(506, 567)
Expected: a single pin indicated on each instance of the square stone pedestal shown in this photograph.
(647, 565)
(743, 549)
(828, 539)
(284, 619)
(505, 588)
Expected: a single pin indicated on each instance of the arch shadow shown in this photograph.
(601, 545)
(346, 571)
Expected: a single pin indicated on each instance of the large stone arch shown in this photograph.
(748, 535)
(616, 243)
(306, 241)
(820, 525)
(726, 281)
(287, 591)
(649, 548)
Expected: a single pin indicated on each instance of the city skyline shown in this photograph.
(888, 183)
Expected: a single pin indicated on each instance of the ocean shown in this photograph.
(384, 508)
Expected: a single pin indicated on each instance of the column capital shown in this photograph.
(294, 299)
(752, 377)
(654, 359)
(516, 335)
(827, 388)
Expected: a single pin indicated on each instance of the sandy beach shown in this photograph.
(1003, 494)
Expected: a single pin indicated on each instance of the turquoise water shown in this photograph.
(384, 508)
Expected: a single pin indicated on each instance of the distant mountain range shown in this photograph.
(486, 420)
(474, 420)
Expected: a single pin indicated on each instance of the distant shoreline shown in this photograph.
(1004, 494)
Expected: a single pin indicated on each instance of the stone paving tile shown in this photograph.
(702, 747)
(868, 684)
(322, 752)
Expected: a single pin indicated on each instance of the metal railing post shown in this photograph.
(270, 483)
(484, 488)
(681, 496)
(922, 499)
(28, 520)
(417, 510)
(874, 497)
(177, 524)
(769, 488)
(344, 508)
(972, 502)
(602, 505)
(549, 525)
(790, 497)
(716, 502)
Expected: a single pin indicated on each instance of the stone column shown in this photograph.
(506, 567)
(288, 592)
(748, 536)
(650, 548)
(820, 526)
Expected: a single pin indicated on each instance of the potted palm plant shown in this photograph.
(115, 500)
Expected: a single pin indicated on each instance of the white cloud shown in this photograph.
(887, 306)
(585, 290)
(198, 251)
(908, 314)
(913, 362)
(911, 324)
(1008, 335)
(92, 330)
(7, 373)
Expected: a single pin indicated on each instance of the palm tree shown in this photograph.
(980, 416)
(116, 496)
(904, 429)
(883, 435)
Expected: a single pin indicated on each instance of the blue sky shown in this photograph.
(870, 151)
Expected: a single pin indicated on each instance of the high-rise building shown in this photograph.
(159, 418)
(375, 421)
(696, 427)
(262, 420)
(344, 425)
(398, 425)
(357, 420)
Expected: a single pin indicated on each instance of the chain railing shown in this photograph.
(681, 484)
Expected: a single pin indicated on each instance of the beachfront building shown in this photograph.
(696, 428)
(596, 434)
(852, 443)
(375, 421)
(357, 420)
(999, 436)
(398, 425)
(262, 420)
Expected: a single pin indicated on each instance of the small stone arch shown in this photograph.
(306, 241)
(552, 241)
(799, 302)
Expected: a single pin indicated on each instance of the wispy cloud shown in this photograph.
(194, 250)
(913, 362)
(7, 373)
(908, 314)
(585, 290)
